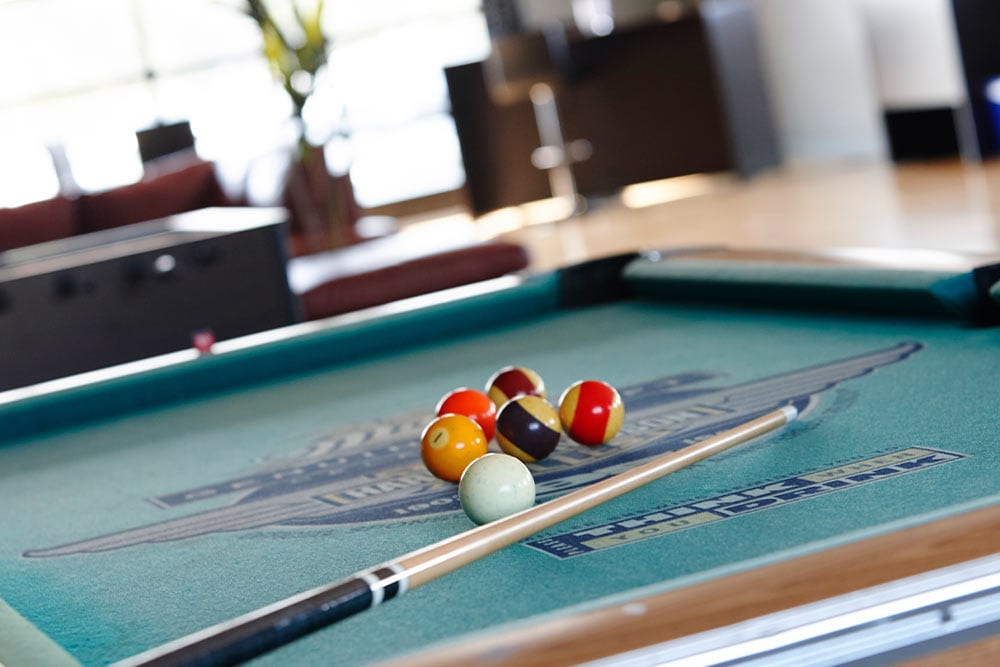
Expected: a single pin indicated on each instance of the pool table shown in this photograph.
(142, 503)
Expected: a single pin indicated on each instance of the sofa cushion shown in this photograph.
(412, 278)
(187, 188)
(37, 223)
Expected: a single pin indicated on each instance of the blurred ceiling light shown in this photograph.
(545, 211)
(529, 214)
(909, 258)
(451, 223)
(993, 91)
(670, 10)
(501, 221)
(641, 195)
(594, 17)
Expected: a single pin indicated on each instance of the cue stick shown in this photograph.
(275, 625)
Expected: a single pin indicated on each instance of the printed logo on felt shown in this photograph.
(770, 495)
(372, 472)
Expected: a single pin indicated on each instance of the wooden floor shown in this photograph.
(946, 205)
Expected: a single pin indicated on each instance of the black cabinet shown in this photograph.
(120, 295)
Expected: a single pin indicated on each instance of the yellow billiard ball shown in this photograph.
(450, 443)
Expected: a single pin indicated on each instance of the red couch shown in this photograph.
(166, 191)
(177, 187)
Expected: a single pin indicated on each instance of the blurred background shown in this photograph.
(411, 147)
(80, 79)
(843, 81)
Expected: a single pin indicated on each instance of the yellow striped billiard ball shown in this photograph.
(528, 428)
(449, 444)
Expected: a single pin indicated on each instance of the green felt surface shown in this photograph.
(801, 285)
(94, 480)
(22, 644)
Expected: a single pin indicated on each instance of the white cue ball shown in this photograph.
(494, 486)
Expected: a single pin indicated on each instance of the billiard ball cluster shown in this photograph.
(514, 410)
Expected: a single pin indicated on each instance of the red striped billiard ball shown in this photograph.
(528, 428)
(473, 404)
(512, 381)
(591, 411)
(449, 444)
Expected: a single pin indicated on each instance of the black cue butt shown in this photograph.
(257, 633)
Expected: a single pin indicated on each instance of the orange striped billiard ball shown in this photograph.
(512, 381)
(591, 411)
(473, 404)
(449, 444)
(528, 428)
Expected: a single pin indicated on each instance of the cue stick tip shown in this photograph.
(791, 413)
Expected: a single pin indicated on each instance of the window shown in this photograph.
(86, 76)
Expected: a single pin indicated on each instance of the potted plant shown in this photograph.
(321, 205)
